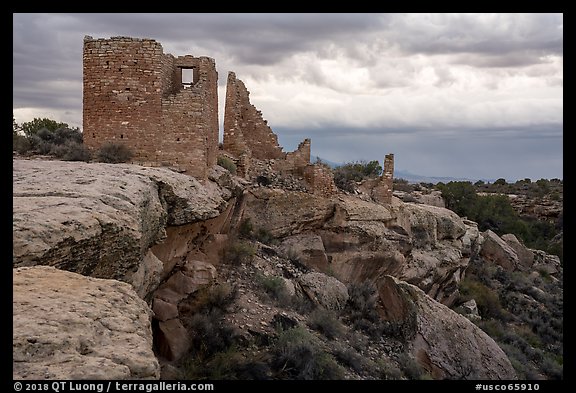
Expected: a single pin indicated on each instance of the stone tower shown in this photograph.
(164, 108)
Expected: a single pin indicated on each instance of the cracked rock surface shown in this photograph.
(68, 326)
(100, 219)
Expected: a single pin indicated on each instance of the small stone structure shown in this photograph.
(383, 191)
(320, 180)
(380, 189)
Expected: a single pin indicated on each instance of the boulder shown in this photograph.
(525, 256)
(172, 340)
(324, 290)
(444, 343)
(430, 224)
(358, 239)
(432, 198)
(471, 241)
(308, 248)
(497, 251)
(470, 310)
(100, 220)
(437, 272)
(68, 326)
(191, 277)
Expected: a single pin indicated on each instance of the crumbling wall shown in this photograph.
(298, 159)
(320, 180)
(382, 192)
(245, 131)
(133, 94)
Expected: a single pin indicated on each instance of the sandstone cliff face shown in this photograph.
(68, 326)
(425, 245)
(443, 342)
(101, 219)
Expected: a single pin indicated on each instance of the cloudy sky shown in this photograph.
(460, 95)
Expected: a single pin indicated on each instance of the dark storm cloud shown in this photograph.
(499, 40)
(49, 46)
(250, 38)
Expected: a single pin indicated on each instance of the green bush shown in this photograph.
(275, 288)
(246, 230)
(350, 358)
(389, 371)
(216, 297)
(264, 236)
(114, 153)
(65, 135)
(30, 128)
(361, 309)
(71, 151)
(41, 146)
(297, 354)
(410, 367)
(326, 322)
(21, 144)
(403, 185)
(77, 152)
(227, 164)
(493, 327)
(487, 299)
(238, 252)
(347, 174)
(495, 212)
(45, 136)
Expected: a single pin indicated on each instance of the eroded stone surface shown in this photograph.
(68, 326)
(444, 343)
(101, 219)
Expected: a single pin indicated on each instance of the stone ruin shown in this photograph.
(165, 109)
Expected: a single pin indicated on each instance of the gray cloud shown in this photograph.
(510, 36)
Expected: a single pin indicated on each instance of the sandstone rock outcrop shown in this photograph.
(432, 197)
(425, 245)
(172, 336)
(101, 219)
(68, 326)
(497, 251)
(508, 252)
(525, 256)
(444, 343)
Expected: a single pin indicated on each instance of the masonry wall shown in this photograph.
(190, 118)
(245, 131)
(383, 191)
(298, 159)
(122, 93)
(320, 180)
(133, 95)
